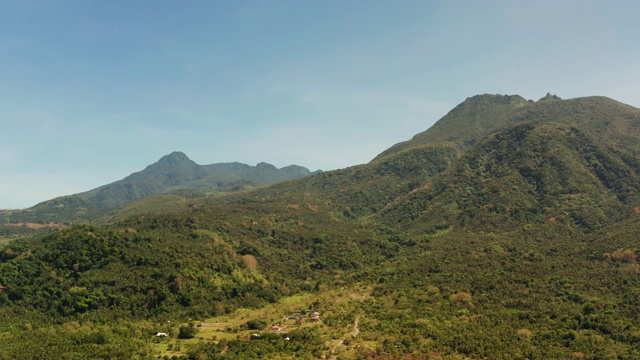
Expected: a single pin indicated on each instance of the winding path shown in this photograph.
(356, 329)
(354, 334)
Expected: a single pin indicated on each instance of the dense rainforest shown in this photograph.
(508, 230)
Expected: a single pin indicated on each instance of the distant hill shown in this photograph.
(173, 172)
(177, 171)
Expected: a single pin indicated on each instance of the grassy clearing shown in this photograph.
(4, 241)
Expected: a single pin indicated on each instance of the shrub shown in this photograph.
(460, 297)
(524, 334)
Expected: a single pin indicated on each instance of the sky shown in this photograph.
(92, 91)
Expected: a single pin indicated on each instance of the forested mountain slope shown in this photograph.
(507, 231)
(532, 173)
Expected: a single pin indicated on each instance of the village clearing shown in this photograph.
(233, 326)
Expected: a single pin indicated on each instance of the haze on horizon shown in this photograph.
(93, 91)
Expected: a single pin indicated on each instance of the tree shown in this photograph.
(256, 324)
(188, 332)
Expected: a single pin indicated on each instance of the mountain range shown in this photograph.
(508, 230)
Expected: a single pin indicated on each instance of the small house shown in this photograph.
(161, 334)
(315, 316)
(276, 328)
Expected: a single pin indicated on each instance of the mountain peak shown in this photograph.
(175, 161)
(175, 157)
(550, 97)
(264, 165)
(479, 105)
(475, 117)
(494, 99)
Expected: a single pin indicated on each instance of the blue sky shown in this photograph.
(91, 91)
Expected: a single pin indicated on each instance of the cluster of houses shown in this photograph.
(298, 318)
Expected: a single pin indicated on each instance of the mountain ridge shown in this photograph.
(174, 171)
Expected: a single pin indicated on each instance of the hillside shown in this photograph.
(533, 173)
(507, 231)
